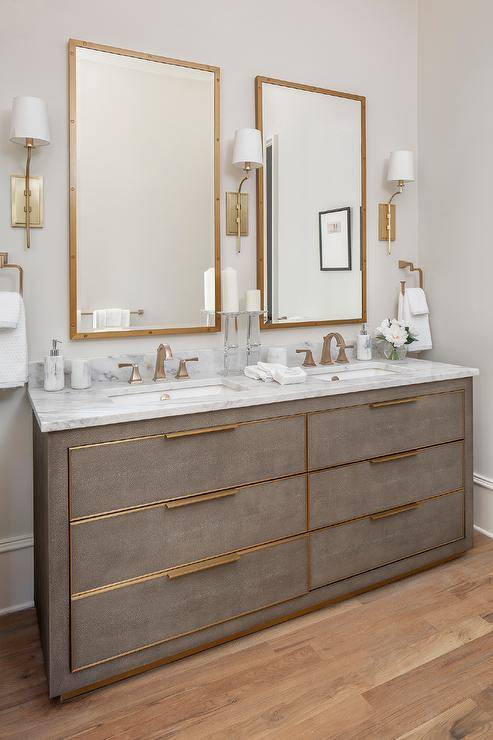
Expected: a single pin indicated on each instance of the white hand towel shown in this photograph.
(287, 375)
(10, 309)
(125, 318)
(418, 304)
(419, 325)
(254, 372)
(114, 318)
(99, 319)
(13, 353)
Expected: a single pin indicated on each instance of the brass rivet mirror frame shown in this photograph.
(214, 321)
(261, 247)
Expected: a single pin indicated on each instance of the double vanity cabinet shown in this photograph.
(157, 538)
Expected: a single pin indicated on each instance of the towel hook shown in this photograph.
(404, 263)
(4, 263)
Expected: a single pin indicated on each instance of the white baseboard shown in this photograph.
(8, 544)
(483, 481)
(16, 608)
(483, 531)
(16, 573)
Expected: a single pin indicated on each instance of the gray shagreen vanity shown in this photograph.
(162, 529)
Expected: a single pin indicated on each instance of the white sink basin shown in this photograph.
(186, 391)
(355, 373)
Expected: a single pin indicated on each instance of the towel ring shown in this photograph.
(404, 263)
(4, 263)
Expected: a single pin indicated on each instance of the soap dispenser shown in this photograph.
(54, 376)
(363, 344)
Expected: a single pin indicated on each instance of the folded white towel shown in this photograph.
(99, 319)
(125, 318)
(418, 304)
(13, 353)
(10, 309)
(269, 371)
(114, 317)
(419, 325)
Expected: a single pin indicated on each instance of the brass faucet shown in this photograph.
(182, 368)
(308, 361)
(326, 358)
(163, 353)
(135, 376)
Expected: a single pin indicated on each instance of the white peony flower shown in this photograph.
(396, 334)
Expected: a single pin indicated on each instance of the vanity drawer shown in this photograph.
(109, 477)
(381, 483)
(118, 547)
(380, 428)
(154, 610)
(346, 550)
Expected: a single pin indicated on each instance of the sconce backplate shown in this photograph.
(231, 201)
(382, 222)
(18, 201)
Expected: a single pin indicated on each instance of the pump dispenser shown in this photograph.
(363, 344)
(54, 376)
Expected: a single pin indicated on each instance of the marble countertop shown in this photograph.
(115, 401)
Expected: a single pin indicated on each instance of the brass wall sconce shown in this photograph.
(28, 127)
(401, 171)
(248, 156)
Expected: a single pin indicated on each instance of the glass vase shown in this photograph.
(394, 353)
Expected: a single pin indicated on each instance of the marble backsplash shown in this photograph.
(210, 363)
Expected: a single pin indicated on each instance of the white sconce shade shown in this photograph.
(248, 148)
(29, 120)
(401, 166)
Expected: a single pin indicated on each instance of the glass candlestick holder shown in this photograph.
(231, 341)
(253, 337)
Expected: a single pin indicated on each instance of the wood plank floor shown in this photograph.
(410, 660)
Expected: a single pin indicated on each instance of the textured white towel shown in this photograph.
(10, 309)
(99, 319)
(269, 371)
(418, 304)
(420, 325)
(13, 353)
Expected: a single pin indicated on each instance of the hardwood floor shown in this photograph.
(410, 660)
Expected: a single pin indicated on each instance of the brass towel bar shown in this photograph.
(4, 263)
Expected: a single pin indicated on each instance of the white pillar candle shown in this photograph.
(80, 374)
(252, 300)
(229, 282)
(210, 289)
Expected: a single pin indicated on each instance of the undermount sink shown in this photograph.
(175, 391)
(351, 373)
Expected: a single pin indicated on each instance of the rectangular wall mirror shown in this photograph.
(311, 205)
(144, 193)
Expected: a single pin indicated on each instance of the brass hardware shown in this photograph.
(205, 430)
(182, 367)
(404, 263)
(397, 402)
(163, 353)
(308, 361)
(326, 358)
(18, 201)
(185, 570)
(386, 218)
(4, 263)
(232, 214)
(215, 73)
(393, 512)
(275, 322)
(135, 376)
(178, 503)
(398, 456)
(164, 397)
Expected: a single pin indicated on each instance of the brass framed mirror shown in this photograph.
(144, 194)
(311, 205)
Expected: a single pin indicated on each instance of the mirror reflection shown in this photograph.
(311, 204)
(144, 230)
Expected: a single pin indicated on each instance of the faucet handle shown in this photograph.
(182, 367)
(135, 376)
(308, 361)
(341, 355)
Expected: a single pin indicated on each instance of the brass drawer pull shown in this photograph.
(185, 570)
(397, 402)
(397, 456)
(392, 512)
(197, 499)
(206, 430)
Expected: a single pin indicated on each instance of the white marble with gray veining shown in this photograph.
(107, 401)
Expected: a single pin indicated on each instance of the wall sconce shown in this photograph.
(28, 127)
(400, 170)
(248, 156)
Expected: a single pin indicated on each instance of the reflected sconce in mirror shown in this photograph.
(28, 127)
(401, 171)
(248, 156)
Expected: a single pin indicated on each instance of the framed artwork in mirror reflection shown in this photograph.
(335, 239)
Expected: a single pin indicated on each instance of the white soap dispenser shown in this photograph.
(54, 376)
(363, 344)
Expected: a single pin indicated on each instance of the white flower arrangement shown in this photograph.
(396, 336)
